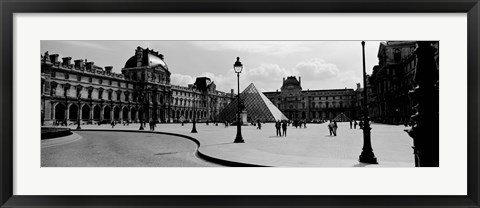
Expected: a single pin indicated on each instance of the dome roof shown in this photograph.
(132, 62)
(152, 60)
(291, 81)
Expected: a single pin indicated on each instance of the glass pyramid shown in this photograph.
(257, 106)
(341, 118)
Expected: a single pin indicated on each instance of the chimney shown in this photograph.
(358, 86)
(67, 61)
(54, 58)
(231, 91)
(160, 56)
(299, 80)
(79, 63)
(89, 65)
(139, 55)
(108, 69)
(284, 80)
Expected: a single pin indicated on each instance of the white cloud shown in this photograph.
(181, 79)
(263, 47)
(268, 76)
(318, 69)
(88, 44)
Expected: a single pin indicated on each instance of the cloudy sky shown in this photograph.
(320, 64)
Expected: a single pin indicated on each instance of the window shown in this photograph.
(397, 55)
(100, 94)
(119, 84)
(100, 81)
(53, 74)
(66, 76)
(118, 96)
(79, 78)
(109, 82)
(90, 79)
(110, 95)
(90, 93)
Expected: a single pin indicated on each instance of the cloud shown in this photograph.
(268, 77)
(181, 79)
(87, 44)
(317, 68)
(263, 47)
(223, 83)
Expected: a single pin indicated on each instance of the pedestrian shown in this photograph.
(226, 124)
(150, 124)
(330, 127)
(355, 124)
(112, 123)
(351, 124)
(154, 124)
(259, 124)
(277, 127)
(360, 124)
(284, 128)
(304, 123)
(335, 127)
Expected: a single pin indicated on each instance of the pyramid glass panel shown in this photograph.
(257, 107)
(341, 118)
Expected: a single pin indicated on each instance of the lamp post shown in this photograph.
(237, 67)
(194, 127)
(141, 114)
(78, 114)
(367, 155)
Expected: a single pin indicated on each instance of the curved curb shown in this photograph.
(197, 151)
(73, 137)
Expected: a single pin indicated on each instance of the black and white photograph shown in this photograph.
(239, 103)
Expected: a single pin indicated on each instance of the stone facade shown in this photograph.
(391, 80)
(141, 92)
(313, 105)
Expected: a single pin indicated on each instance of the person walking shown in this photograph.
(277, 127)
(335, 127)
(351, 124)
(284, 128)
(355, 124)
(112, 123)
(361, 124)
(330, 127)
(259, 124)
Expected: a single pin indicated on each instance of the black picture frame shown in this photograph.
(10, 7)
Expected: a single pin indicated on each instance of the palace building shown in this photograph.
(391, 81)
(313, 105)
(85, 91)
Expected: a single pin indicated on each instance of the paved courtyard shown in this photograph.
(302, 147)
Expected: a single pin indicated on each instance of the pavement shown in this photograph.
(120, 149)
(302, 147)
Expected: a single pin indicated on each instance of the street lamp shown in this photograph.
(194, 127)
(238, 69)
(141, 114)
(367, 155)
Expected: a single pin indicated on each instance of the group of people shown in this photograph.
(332, 128)
(354, 123)
(281, 124)
(299, 123)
